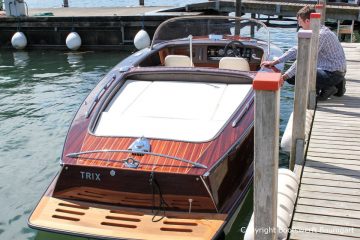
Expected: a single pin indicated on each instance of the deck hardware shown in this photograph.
(112, 173)
(139, 146)
(99, 95)
(131, 163)
(242, 113)
(124, 69)
(190, 203)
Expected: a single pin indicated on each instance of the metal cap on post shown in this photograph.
(315, 27)
(300, 99)
(266, 153)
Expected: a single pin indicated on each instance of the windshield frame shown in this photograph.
(157, 40)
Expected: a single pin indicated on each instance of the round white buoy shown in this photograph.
(73, 41)
(142, 40)
(18, 40)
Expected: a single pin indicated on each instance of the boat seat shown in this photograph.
(178, 61)
(234, 63)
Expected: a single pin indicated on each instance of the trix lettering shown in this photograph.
(90, 176)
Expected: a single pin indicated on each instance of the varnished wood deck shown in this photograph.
(328, 204)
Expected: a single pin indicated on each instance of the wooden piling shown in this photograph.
(266, 154)
(141, 2)
(217, 5)
(315, 27)
(321, 8)
(300, 99)
(66, 3)
(252, 28)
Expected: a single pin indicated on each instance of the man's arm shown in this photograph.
(287, 56)
(290, 72)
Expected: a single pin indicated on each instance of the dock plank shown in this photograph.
(323, 211)
(331, 150)
(329, 196)
(330, 183)
(299, 235)
(328, 176)
(334, 160)
(340, 221)
(336, 171)
(326, 229)
(328, 204)
(327, 155)
(330, 189)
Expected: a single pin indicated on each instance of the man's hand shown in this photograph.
(285, 77)
(268, 64)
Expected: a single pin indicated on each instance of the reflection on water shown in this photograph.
(75, 59)
(40, 92)
(21, 58)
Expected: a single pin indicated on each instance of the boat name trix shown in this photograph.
(90, 176)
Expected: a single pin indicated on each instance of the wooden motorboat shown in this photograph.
(162, 148)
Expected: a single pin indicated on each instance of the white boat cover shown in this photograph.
(182, 111)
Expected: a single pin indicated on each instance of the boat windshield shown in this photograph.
(211, 27)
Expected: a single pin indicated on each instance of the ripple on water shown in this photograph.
(47, 75)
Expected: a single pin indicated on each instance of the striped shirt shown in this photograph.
(331, 56)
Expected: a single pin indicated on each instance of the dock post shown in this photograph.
(141, 2)
(266, 154)
(252, 28)
(321, 8)
(66, 3)
(300, 99)
(217, 5)
(237, 14)
(315, 27)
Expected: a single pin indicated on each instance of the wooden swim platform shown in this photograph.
(328, 205)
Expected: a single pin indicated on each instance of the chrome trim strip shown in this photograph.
(75, 155)
(242, 113)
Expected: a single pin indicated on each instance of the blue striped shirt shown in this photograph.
(331, 56)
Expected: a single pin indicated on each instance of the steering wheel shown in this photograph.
(232, 49)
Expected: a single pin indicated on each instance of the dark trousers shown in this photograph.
(324, 79)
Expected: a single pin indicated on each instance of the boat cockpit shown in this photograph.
(219, 42)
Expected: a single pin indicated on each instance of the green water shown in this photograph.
(40, 92)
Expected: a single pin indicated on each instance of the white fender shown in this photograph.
(142, 40)
(287, 136)
(288, 184)
(73, 41)
(18, 40)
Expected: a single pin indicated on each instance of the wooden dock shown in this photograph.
(278, 7)
(328, 205)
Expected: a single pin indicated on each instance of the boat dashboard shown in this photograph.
(215, 53)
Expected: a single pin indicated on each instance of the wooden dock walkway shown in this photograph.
(328, 205)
